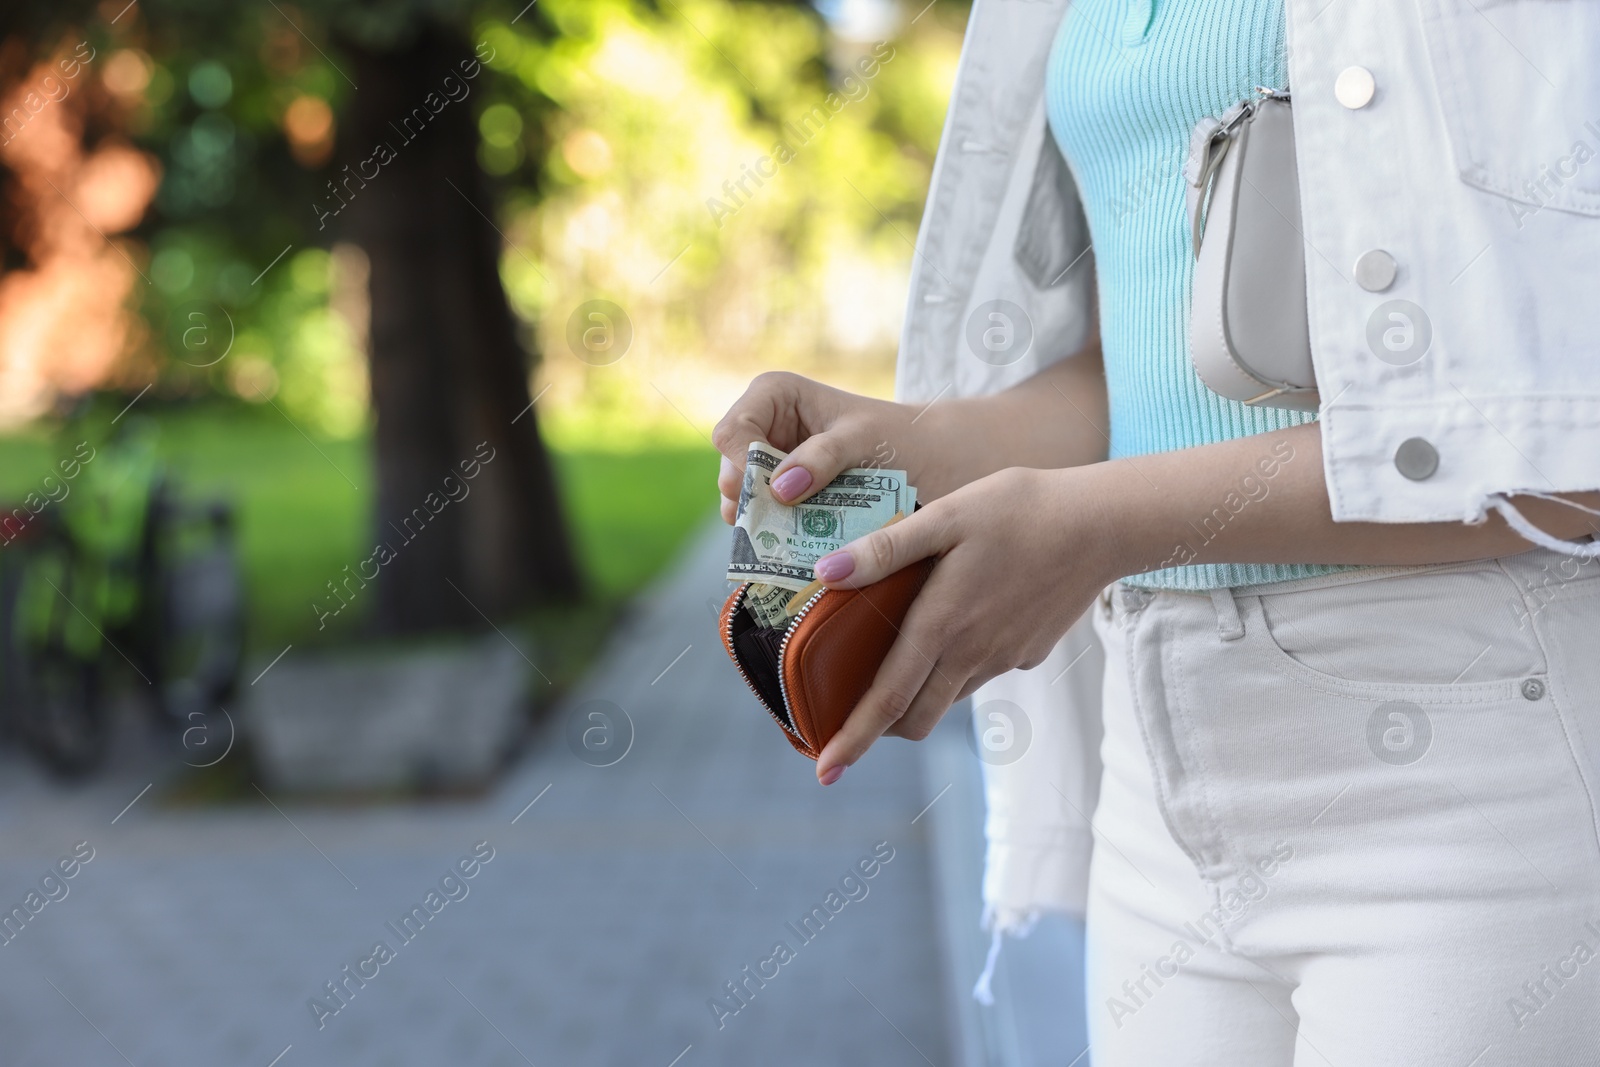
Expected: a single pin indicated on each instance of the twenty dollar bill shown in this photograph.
(776, 544)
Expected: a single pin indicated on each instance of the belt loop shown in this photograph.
(1230, 627)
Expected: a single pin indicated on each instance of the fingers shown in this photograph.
(946, 684)
(972, 685)
(768, 411)
(796, 415)
(729, 480)
(814, 463)
(752, 418)
(879, 554)
(954, 679)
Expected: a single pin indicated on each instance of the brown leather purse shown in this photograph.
(811, 674)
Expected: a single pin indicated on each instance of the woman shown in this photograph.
(1351, 713)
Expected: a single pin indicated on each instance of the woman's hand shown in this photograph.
(1054, 419)
(1022, 553)
(824, 430)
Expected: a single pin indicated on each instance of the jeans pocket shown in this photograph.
(1445, 629)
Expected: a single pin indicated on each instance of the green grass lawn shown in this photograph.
(303, 511)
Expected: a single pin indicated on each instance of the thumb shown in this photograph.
(879, 554)
(814, 463)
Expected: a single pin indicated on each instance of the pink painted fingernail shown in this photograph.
(791, 483)
(835, 567)
(832, 774)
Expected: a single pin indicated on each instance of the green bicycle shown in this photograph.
(117, 570)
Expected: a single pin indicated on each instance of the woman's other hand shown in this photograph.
(824, 430)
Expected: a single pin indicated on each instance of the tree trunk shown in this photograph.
(448, 378)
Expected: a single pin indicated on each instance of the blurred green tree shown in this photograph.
(448, 375)
(729, 174)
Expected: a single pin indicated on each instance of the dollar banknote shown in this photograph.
(767, 604)
(778, 544)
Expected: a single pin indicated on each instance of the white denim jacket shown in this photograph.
(1452, 147)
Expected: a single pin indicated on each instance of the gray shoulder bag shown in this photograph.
(1248, 334)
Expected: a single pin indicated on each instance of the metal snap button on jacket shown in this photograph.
(1375, 270)
(1416, 459)
(1354, 87)
(1533, 689)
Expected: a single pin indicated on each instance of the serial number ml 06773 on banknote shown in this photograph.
(779, 544)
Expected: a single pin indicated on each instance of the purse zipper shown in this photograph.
(783, 646)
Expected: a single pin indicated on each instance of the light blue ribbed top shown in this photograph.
(1127, 81)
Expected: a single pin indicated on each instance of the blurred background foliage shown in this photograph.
(729, 173)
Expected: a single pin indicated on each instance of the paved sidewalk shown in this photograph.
(613, 908)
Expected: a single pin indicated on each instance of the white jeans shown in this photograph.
(1350, 821)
